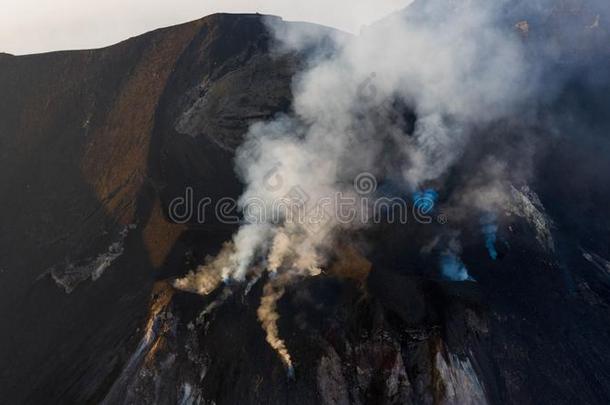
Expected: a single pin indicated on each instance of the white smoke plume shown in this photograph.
(456, 68)
(450, 63)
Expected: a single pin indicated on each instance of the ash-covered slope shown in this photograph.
(96, 144)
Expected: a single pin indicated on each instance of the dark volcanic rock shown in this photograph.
(94, 145)
(89, 156)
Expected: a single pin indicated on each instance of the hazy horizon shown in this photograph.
(35, 26)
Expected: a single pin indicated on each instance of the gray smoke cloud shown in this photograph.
(456, 65)
(456, 69)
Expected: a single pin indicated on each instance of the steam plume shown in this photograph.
(452, 266)
(208, 277)
(451, 63)
(268, 317)
(343, 119)
(489, 228)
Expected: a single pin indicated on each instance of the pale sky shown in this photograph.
(32, 26)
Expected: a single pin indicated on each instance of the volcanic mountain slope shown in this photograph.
(96, 144)
(89, 160)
